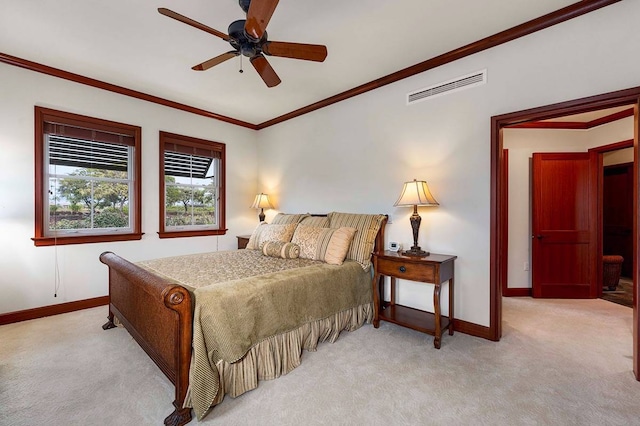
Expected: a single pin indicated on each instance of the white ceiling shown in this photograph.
(128, 43)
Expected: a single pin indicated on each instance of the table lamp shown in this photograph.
(416, 193)
(261, 202)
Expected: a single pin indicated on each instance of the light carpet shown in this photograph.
(558, 363)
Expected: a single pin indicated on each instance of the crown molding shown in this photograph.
(77, 78)
(561, 15)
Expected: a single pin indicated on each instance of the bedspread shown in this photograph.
(233, 315)
(205, 269)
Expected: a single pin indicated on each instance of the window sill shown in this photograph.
(202, 233)
(84, 239)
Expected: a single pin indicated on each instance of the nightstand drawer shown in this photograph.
(409, 271)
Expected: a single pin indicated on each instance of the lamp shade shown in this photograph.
(261, 202)
(416, 193)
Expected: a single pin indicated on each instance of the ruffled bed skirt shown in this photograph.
(280, 354)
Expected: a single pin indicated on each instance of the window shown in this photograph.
(87, 185)
(191, 186)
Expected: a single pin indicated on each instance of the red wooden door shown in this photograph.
(564, 225)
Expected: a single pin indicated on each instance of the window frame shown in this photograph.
(191, 142)
(46, 115)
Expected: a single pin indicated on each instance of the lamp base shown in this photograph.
(416, 251)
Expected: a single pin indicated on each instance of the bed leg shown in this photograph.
(109, 324)
(179, 417)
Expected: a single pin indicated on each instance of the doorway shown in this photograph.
(616, 169)
(617, 214)
(498, 209)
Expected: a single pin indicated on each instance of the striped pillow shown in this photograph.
(367, 226)
(285, 219)
(319, 221)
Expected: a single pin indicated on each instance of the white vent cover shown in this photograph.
(455, 85)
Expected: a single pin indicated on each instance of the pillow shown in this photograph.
(319, 221)
(315, 243)
(280, 249)
(252, 243)
(285, 219)
(269, 232)
(367, 226)
(339, 245)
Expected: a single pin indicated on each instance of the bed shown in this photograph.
(218, 323)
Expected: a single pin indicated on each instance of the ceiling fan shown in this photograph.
(249, 38)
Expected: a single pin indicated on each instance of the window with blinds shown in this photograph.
(88, 179)
(192, 186)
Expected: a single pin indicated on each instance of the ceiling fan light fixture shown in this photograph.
(248, 50)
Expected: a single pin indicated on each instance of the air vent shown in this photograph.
(455, 85)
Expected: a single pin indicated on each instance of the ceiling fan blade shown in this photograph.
(171, 14)
(215, 61)
(308, 52)
(267, 73)
(258, 17)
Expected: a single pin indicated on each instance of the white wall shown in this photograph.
(351, 156)
(620, 156)
(354, 155)
(27, 273)
(522, 143)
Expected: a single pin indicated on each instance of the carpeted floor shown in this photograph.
(558, 363)
(622, 295)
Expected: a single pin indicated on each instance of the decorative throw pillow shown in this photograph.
(270, 232)
(312, 241)
(339, 245)
(286, 219)
(367, 226)
(316, 243)
(280, 249)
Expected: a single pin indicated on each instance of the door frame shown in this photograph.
(498, 213)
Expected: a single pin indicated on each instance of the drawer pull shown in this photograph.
(402, 269)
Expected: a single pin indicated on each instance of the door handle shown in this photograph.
(539, 236)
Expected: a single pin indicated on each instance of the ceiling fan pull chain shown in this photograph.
(240, 65)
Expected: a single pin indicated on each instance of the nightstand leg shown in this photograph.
(376, 284)
(451, 305)
(436, 307)
(392, 291)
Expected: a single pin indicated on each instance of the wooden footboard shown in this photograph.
(159, 315)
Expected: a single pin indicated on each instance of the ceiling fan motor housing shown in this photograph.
(242, 42)
(244, 4)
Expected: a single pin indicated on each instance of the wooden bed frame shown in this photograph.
(159, 315)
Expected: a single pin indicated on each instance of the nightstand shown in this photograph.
(435, 269)
(243, 240)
